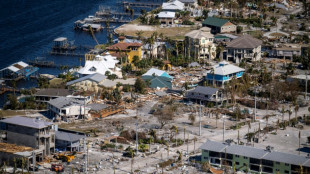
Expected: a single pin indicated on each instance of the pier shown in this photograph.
(66, 54)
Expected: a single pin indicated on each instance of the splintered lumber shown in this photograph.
(13, 148)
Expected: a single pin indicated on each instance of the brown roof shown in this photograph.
(228, 23)
(245, 41)
(124, 46)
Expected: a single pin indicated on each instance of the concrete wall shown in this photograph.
(22, 136)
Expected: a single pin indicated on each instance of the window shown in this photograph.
(92, 69)
(134, 48)
(206, 151)
(210, 39)
(237, 163)
(206, 158)
(237, 156)
(286, 164)
(203, 41)
(245, 157)
(277, 170)
(286, 171)
(277, 163)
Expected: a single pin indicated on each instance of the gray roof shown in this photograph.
(53, 92)
(97, 77)
(245, 41)
(213, 146)
(204, 90)
(188, 1)
(63, 102)
(194, 64)
(286, 158)
(96, 106)
(27, 122)
(66, 136)
(251, 152)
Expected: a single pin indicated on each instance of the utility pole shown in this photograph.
(306, 95)
(200, 120)
(255, 105)
(137, 137)
(33, 161)
(299, 136)
(224, 128)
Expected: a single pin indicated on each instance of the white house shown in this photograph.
(101, 64)
(173, 6)
(67, 109)
(166, 17)
(201, 41)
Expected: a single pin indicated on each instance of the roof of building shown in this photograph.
(245, 41)
(27, 122)
(94, 66)
(112, 83)
(174, 5)
(97, 77)
(63, 102)
(225, 68)
(13, 148)
(202, 32)
(97, 106)
(66, 136)
(157, 72)
(251, 152)
(166, 14)
(158, 81)
(286, 158)
(213, 21)
(213, 146)
(188, 1)
(60, 39)
(122, 46)
(204, 90)
(17, 66)
(53, 92)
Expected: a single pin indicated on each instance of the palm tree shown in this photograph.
(195, 139)
(212, 71)
(296, 109)
(282, 112)
(209, 51)
(289, 114)
(139, 34)
(175, 129)
(216, 117)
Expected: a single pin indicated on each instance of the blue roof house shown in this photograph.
(223, 72)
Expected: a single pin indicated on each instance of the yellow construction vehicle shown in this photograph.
(65, 157)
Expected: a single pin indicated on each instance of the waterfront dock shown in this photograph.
(140, 4)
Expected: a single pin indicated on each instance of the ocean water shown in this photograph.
(28, 28)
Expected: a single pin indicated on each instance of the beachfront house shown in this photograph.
(127, 51)
(18, 70)
(87, 83)
(245, 47)
(30, 132)
(219, 25)
(203, 95)
(67, 109)
(101, 64)
(166, 17)
(173, 6)
(201, 41)
(222, 73)
(251, 159)
(189, 3)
